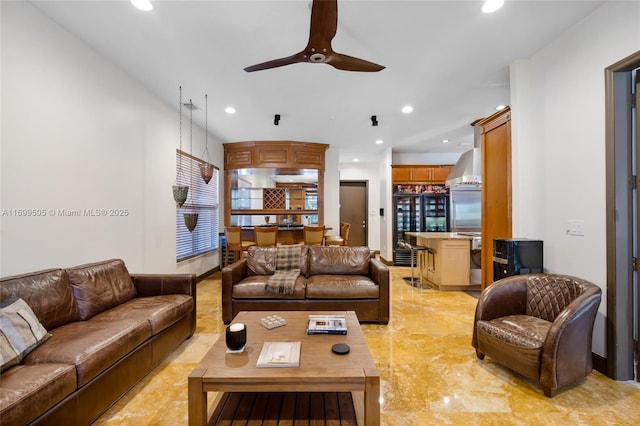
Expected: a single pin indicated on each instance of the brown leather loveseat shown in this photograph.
(539, 325)
(332, 278)
(106, 329)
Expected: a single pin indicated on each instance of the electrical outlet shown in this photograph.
(575, 228)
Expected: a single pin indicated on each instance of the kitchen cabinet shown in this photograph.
(407, 174)
(495, 141)
(447, 262)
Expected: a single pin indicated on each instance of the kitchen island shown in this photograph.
(446, 263)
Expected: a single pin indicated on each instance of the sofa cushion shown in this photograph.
(26, 391)
(160, 311)
(514, 340)
(341, 287)
(262, 261)
(47, 293)
(100, 286)
(519, 330)
(254, 287)
(336, 260)
(92, 346)
(20, 332)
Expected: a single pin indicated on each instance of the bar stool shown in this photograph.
(419, 250)
(313, 235)
(339, 240)
(266, 236)
(235, 243)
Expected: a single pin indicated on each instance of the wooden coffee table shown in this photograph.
(246, 392)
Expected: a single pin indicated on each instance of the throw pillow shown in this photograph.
(20, 332)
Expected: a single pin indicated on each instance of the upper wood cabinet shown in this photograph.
(495, 140)
(276, 154)
(435, 174)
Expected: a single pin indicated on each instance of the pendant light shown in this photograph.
(180, 191)
(190, 216)
(206, 169)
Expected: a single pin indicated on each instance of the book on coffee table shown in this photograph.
(279, 354)
(327, 324)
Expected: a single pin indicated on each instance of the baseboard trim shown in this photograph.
(600, 364)
(206, 274)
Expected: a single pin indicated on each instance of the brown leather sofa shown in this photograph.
(539, 325)
(331, 279)
(107, 329)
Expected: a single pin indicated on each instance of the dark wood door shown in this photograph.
(496, 186)
(353, 209)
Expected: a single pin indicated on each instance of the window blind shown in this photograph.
(202, 199)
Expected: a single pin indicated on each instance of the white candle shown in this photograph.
(236, 327)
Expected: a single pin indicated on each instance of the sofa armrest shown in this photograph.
(231, 275)
(566, 352)
(379, 273)
(161, 284)
(507, 296)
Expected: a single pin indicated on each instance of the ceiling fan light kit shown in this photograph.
(324, 23)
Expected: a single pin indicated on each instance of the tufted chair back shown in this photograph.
(549, 294)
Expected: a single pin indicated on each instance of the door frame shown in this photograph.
(619, 221)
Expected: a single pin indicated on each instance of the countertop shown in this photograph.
(439, 235)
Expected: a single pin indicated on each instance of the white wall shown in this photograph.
(332, 191)
(426, 158)
(77, 133)
(558, 130)
(386, 197)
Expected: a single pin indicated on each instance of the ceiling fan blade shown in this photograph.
(293, 59)
(349, 63)
(324, 20)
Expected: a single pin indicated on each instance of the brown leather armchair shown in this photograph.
(539, 325)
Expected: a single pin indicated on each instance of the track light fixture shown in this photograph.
(276, 119)
(374, 120)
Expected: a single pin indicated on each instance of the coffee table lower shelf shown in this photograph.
(285, 408)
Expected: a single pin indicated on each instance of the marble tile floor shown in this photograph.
(429, 372)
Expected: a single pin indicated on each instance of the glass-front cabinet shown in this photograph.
(274, 183)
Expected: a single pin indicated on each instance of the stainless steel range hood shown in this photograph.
(467, 173)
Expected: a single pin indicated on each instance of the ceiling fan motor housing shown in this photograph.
(317, 57)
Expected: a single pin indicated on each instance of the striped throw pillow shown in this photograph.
(20, 332)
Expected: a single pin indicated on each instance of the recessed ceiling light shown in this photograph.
(491, 6)
(230, 110)
(379, 141)
(500, 107)
(355, 160)
(445, 140)
(142, 5)
(407, 109)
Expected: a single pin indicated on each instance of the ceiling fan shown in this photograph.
(324, 22)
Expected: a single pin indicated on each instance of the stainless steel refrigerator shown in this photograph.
(466, 209)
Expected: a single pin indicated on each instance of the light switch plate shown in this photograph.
(575, 228)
